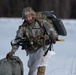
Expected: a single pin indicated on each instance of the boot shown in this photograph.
(41, 70)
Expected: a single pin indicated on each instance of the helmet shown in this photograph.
(28, 11)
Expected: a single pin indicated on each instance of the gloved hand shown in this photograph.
(10, 54)
(53, 39)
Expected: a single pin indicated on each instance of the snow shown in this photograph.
(63, 63)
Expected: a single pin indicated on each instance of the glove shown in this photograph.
(10, 54)
(53, 39)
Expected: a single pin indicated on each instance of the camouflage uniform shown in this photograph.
(35, 33)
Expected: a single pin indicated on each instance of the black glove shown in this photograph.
(10, 54)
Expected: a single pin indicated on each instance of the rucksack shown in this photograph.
(12, 66)
(58, 24)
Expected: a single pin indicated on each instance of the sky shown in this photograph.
(63, 63)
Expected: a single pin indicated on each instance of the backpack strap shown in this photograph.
(45, 32)
(42, 26)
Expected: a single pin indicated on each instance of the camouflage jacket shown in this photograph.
(36, 34)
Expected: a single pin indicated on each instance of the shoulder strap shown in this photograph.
(42, 26)
(44, 32)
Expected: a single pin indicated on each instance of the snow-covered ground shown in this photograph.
(63, 63)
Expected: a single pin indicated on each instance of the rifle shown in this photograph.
(24, 42)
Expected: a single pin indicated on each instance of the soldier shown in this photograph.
(37, 32)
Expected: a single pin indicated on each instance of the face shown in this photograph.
(29, 18)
